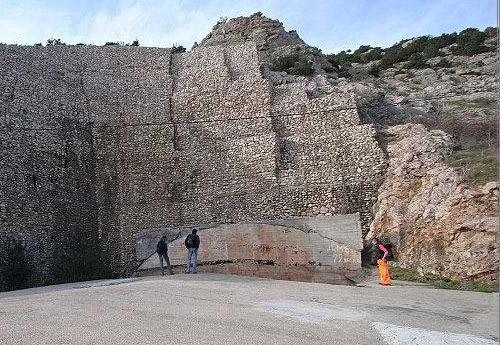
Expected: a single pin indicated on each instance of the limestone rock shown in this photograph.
(438, 224)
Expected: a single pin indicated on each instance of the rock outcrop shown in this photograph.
(271, 39)
(439, 224)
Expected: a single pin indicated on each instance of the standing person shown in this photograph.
(162, 250)
(192, 243)
(383, 269)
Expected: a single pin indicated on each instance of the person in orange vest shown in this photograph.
(383, 269)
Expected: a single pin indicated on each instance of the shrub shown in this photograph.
(470, 42)
(302, 67)
(135, 43)
(416, 61)
(390, 57)
(341, 59)
(344, 72)
(431, 49)
(329, 69)
(375, 70)
(293, 64)
(362, 49)
(283, 63)
(112, 43)
(447, 39)
(177, 49)
(55, 42)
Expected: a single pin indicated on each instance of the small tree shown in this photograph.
(177, 49)
(55, 42)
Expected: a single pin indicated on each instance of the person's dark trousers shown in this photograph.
(191, 263)
(167, 260)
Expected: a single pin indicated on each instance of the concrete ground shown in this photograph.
(223, 309)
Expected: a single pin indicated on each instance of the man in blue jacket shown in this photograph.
(192, 243)
(162, 250)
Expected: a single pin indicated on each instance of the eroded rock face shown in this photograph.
(438, 223)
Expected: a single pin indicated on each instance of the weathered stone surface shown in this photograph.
(122, 140)
(438, 223)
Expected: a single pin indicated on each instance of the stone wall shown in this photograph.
(135, 138)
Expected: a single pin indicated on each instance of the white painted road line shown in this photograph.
(399, 335)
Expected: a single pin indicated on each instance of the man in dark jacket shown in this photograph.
(162, 250)
(192, 243)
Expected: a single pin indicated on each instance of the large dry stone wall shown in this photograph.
(99, 144)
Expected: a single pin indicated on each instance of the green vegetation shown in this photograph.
(405, 274)
(375, 70)
(292, 64)
(470, 42)
(177, 49)
(417, 50)
(55, 42)
(416, 61)
(135, 43)
(476, 166)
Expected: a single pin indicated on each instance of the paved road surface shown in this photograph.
(218, 309)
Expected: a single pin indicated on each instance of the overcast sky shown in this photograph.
(331, 25)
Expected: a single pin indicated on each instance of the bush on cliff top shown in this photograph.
(177, 49)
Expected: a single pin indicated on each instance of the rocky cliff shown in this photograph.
(438, 223)
(440, 216)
